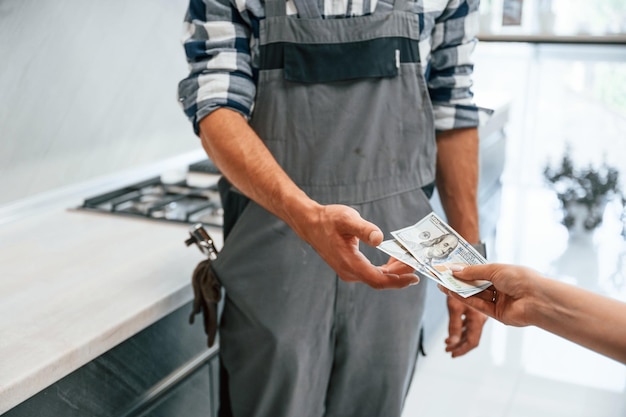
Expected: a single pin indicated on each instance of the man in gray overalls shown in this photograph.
(323, 116)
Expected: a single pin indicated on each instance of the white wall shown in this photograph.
(86, 89)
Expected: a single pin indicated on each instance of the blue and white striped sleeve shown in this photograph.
(217, 46)
(451, 67)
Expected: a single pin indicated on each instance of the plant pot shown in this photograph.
(582, 220)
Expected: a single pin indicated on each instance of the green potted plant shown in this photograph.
(583, 192)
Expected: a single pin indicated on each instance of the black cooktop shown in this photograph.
(174, 202)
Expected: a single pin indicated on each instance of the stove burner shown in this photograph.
(152, 199)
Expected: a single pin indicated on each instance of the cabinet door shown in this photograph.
(195, 396)
(165, 365)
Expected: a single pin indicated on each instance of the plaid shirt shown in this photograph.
(222, 38)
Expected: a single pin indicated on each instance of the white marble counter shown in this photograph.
(75, 284)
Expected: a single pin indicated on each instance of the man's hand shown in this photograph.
(464, 328)
(335, 234)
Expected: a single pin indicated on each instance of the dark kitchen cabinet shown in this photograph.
(164, 370)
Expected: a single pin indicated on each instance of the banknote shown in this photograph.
(395, 249)
(435, 246)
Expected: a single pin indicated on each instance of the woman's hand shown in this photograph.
(508, 300)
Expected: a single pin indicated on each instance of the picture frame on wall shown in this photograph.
(512, 12)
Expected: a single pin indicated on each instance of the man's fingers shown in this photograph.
(465, 326)
(473, 329)
(475, 301)
(393, 266)
(455, 325)
(460, 349)
(474, 323)
(360, 269)
(384, 280)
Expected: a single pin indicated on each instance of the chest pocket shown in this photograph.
(322, 63)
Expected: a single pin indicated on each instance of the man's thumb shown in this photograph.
(375, 238)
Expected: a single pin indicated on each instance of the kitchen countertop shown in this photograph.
(74, 284)
(608, 39)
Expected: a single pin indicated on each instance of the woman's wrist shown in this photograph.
(536, 297)
(549, 303)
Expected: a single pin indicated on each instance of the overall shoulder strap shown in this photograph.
(275, 8)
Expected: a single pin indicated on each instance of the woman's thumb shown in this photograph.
(470, 272)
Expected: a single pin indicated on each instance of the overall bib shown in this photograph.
(343, 107)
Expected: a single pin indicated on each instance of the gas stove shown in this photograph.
(191, 199)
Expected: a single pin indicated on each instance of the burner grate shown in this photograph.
(152, 199)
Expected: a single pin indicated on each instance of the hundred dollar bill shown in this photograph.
(436, 246)
(395, 249)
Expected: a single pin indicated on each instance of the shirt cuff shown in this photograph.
(456, 116)
(203, 109)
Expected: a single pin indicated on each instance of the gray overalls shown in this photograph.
(342, 105)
